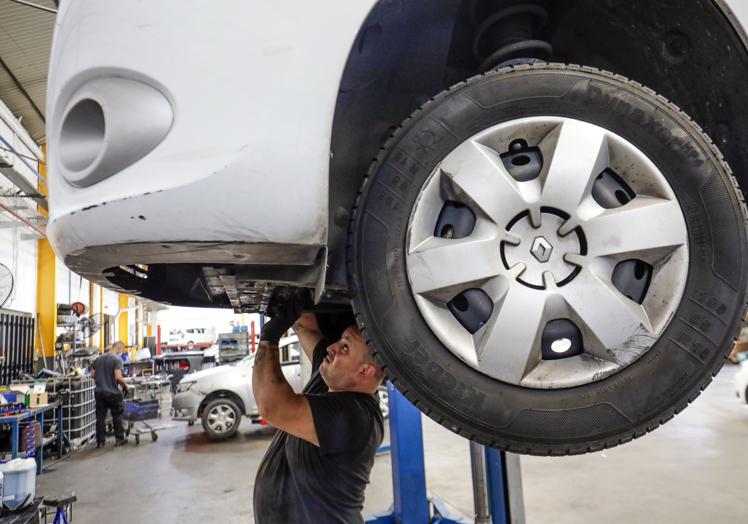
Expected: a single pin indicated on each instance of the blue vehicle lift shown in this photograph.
(497, 485)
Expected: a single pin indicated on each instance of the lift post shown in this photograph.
(494, 474)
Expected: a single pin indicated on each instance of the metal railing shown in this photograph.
(16, 345)
(19, 201)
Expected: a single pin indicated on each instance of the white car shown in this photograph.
(192, 337)
(547, 257)
(221, 396)
(741, 381)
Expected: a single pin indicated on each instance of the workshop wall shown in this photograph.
(17, 250)
(70, 287)
(20, 257)
(110, 302)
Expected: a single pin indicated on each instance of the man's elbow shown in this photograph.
(275, 409)
(265, 411)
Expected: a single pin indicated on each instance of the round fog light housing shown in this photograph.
(82, 135)
(108, 125)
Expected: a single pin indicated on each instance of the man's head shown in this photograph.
(349, 366)
(118, 347)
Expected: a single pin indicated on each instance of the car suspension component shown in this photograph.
(508, 35)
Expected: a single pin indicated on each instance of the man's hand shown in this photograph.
(284, 309)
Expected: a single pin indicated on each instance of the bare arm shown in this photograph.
(119, 378)
(93, 373)
(307, 329)
(276, 401)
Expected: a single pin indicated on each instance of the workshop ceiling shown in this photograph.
(25, 43)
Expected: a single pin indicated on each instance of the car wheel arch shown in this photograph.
(368, 109)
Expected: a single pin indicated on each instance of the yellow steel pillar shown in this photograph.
(148, 315)
(123, 327)
(46, 305)
(46, 284)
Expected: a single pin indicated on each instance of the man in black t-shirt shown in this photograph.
(106, 371)
(317, 466)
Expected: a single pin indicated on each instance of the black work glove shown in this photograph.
(284, 309)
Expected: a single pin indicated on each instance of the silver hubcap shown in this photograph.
(569, 263)
(221, 419)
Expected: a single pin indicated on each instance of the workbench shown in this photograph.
(14, 421)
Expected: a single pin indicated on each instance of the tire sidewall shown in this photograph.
(623, 405)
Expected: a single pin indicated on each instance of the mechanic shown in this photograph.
(318, 464)
(106, 370)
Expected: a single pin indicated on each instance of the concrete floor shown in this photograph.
(692, 470)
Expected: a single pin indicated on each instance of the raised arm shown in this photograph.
(276, 401)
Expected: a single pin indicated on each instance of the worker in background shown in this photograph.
(106, 370)
(318, 464)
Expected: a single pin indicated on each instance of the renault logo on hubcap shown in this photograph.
(541, 249)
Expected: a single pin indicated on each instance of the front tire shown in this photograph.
(221, 418)
(548, 259)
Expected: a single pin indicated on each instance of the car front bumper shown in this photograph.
(225, 135)
(185, 405)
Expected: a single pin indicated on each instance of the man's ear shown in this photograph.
(368, 370)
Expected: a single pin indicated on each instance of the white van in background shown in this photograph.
(191, 338)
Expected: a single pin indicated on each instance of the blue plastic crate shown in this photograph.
(141, 409)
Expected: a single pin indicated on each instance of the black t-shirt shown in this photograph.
(298, 482)
(105, 365)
